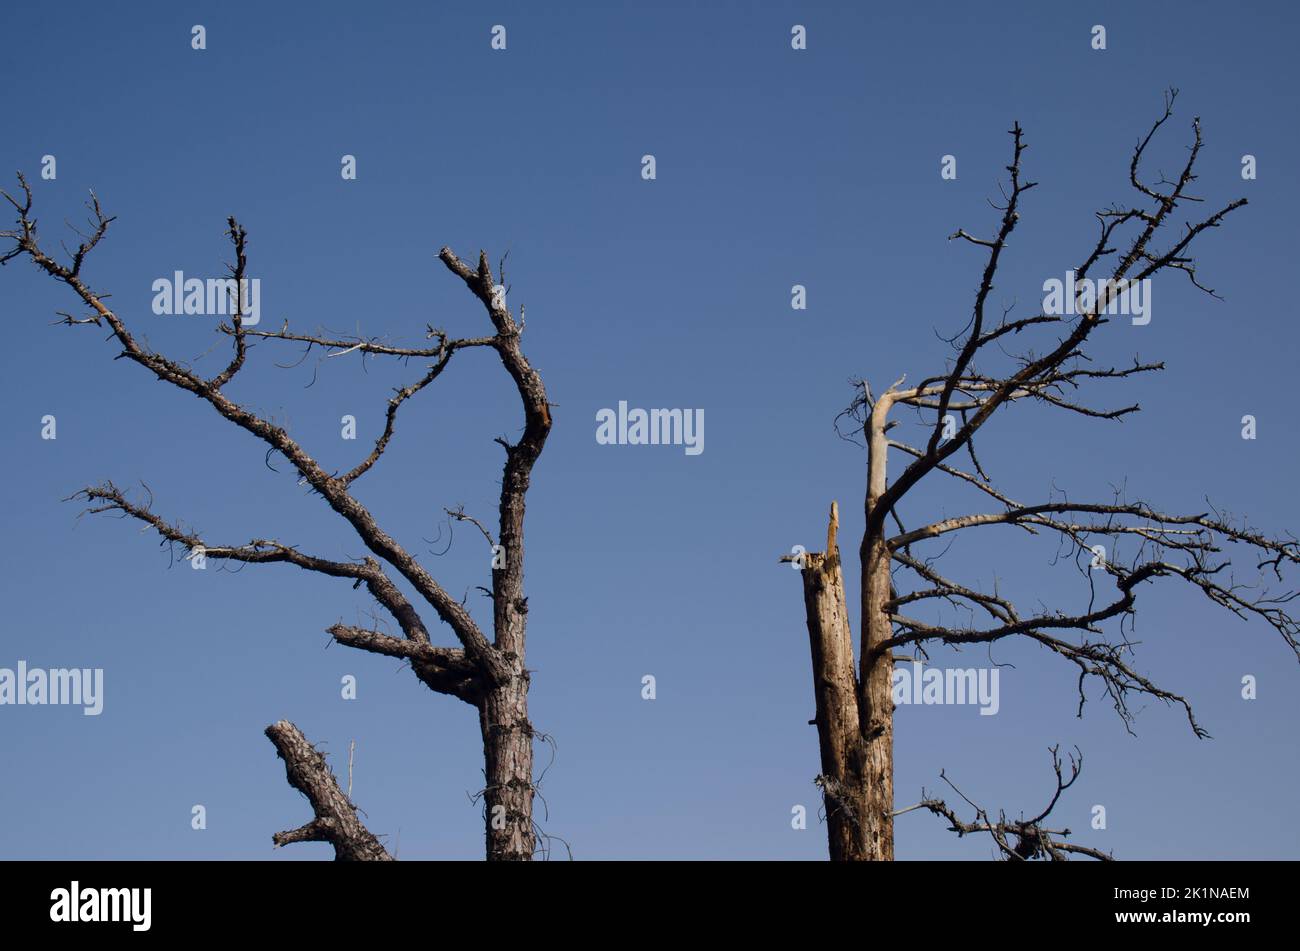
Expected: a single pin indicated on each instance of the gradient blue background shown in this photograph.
(775, 167)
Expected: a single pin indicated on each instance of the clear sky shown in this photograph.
(774, 167)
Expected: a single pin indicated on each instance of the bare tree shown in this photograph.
(488, 674)
(854, 707)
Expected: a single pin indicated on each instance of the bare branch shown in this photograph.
(331, 488)
(1037, 376)
(239, 238)
(336, 819)
(507, 580)
(108, 498)
(1031, 839)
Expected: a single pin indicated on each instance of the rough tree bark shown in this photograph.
(855, 714)
(488, 674)
(336, 819)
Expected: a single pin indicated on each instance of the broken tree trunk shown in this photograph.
(859, 828)
(336, 819)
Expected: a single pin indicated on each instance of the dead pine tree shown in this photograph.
(900, 574)
(487, 673)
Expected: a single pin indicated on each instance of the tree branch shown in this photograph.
(509, 604)
(336, 819)
(333, 489)
(1031, 839)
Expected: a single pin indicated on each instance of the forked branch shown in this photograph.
(1018, 840)
(336, 820)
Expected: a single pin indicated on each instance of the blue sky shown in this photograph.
(774, 167)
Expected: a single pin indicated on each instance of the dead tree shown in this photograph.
(899, 577)
(487, 673)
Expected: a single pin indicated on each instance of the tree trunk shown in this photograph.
(876, 708)
(854, 723)
(875, 698)
(835, 686)
(508, 770)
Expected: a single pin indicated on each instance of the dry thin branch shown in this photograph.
(1022, 839)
